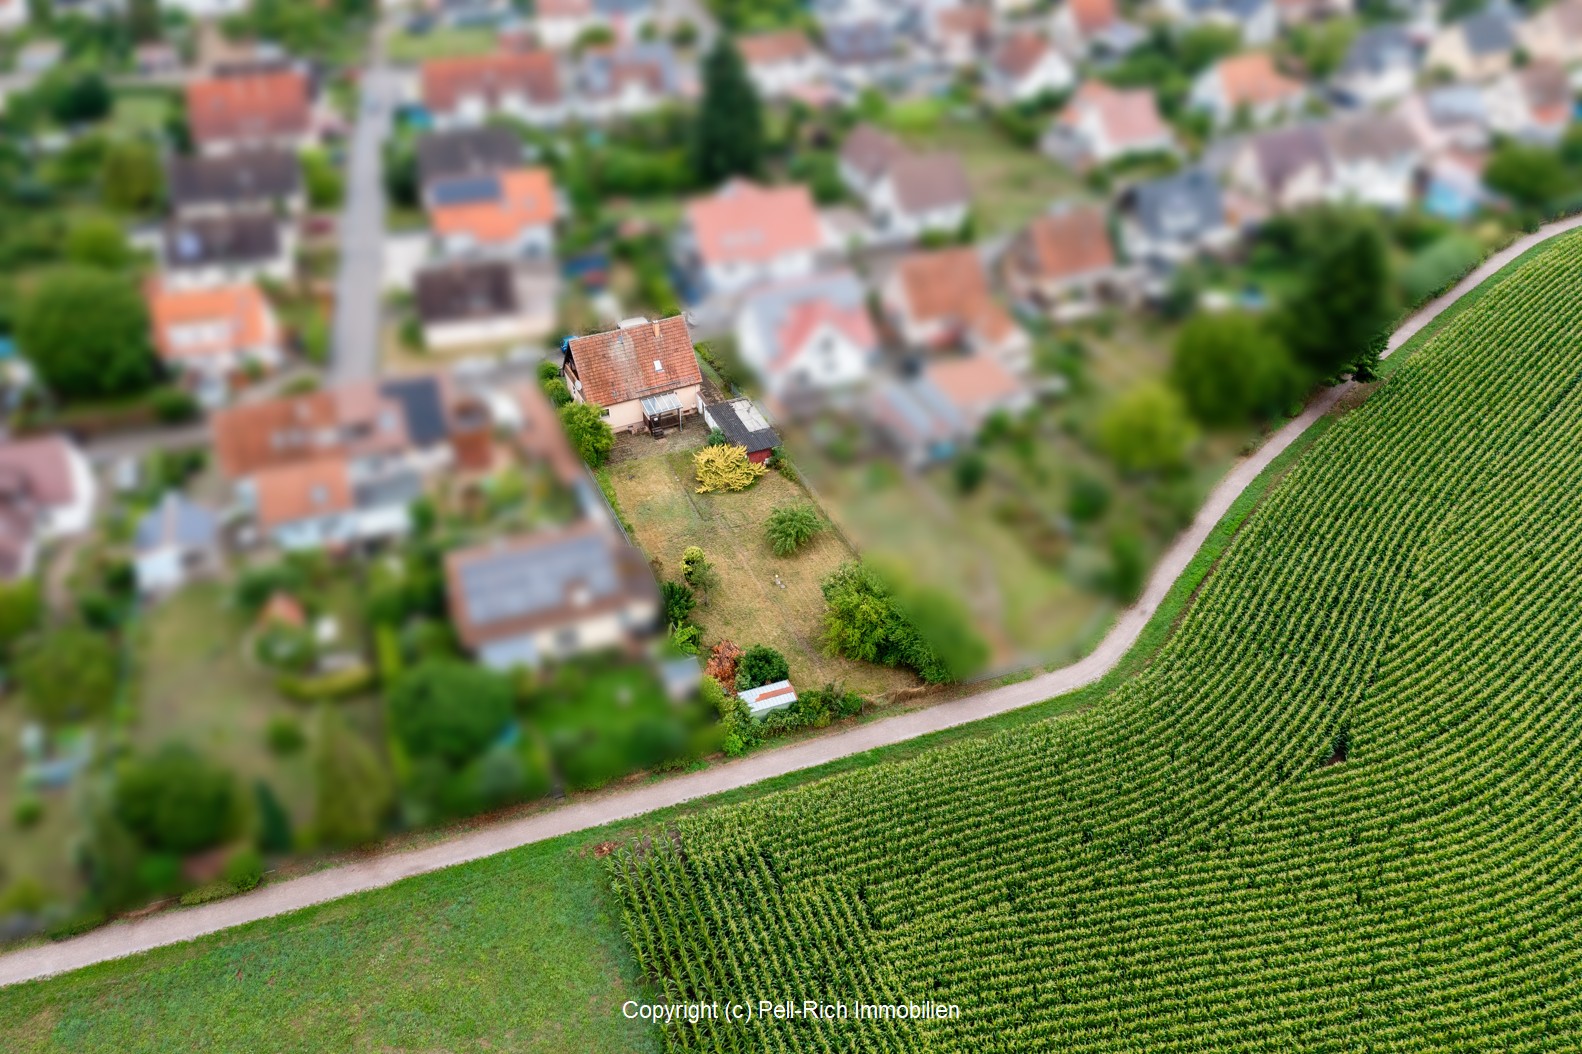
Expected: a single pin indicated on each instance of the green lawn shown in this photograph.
(440, 44)
(140, 112)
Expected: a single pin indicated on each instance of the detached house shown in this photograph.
(959, 36)
(746, 235)
(465, 92)
(519, 602)
(1063, 263)
(263, 180)
(1374, 161)
(1095, 27)
(941, 300)
(1024, 67)
(1101, 124)
(907, 194)
(643, 374)
(465, 153)
(559, 23)
(1166, 222)
(250, 110)
(615, 82)
(1477, 48)
(1284, 169)
(1455, 116)
(211, 337)
(477, 303)
(1380, 67)
(508, 215)
(1553, 33)
(928, 418)
(1247, 84)
(207, 251)
(781, 63)
(1533, 104)
(47, 491)
(808, 339)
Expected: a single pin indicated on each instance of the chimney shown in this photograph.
(656, 331)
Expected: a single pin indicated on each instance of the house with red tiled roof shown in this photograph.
(1249, 84)
(941, 300)
(642, 374)
(780, 62)
(467, 91)
(907, 194)
(1023, 67)
(927, 418)
(1063, 263)
(212, 337)
(504, 214)
(250, 110)
(1101, 124)
(47, 491)
(810, 339)
(745, 235)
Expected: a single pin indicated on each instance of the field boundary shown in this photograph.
(1137, 624)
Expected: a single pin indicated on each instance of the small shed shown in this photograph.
(776, 695)
(175, 541)
(744, 425)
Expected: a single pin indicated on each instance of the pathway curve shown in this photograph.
(129, 938)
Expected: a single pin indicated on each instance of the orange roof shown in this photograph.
(643, 359)
(526, 199)
(196, 323)
(786, 45)
(534, 74)
(746, 223)
(966, 20)
(805, 319)
(1129, 115)
(250, 105)
(1019, 54)
(1064, 245)
(975, 384)
(1252, 79)
(950, 285)
(1091, 16)
(354, 419)
(308, 489)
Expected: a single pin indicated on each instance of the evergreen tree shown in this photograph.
(1345, 297)
(729, 136)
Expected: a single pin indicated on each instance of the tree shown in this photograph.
(86, 332)
(760, 665)
(132, 179)
(68, 675)
(1344, 297)
(1146, 429)
(724, 468)
(449, 710)
(873, 616)
(729, 135)
(677, 600)
(1532, 176)
(589, 433)
(142, 20)
(98, 241)
(1229, 367)
(790, 527)
(82, 101)
(174, 801)
(698, 572)
(323, 180)
(353, 792)
(20, 608)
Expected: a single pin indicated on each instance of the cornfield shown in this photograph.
(1341, 810)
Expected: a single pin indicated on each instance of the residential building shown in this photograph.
(746, 235)
(921, 194)
(523, 601)
(14, 15)
(269, 108)
(1533, 104)
(206, 10)
(466, 92)
(212, 337)
(202, 252)
(510, 215)
(1284, 169)
(1095, 28)
(941, 300)
(1024, 67)
(616, 82)
(1063, 263)
(479, 303)
(1247, 85)
(642, 374)
(1257, 22)
(465, 153)
(1553, 33)
(1453, 185)
(1455, 116)
(1380, 67)
(1477, 48)
(1305, 12)
(175, 541)
(809, 339)
(248, 181)
(1101, 124)
(781, 63)
(47, 491)
(743, 425)
(1168, 221)
(860, 54)
(930, 417)
(960, 36)
(1374, 160)
(559, 23)
(866, 155)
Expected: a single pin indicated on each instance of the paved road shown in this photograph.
(355, 345)
(122, 939)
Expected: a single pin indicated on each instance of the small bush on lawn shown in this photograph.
(342, 684)
(790, 527)
(284, 735)
(760, 665)
(725, 468)
(27, 811)
(678, 601)
(209, 892)
(245, 869)
(815, 708)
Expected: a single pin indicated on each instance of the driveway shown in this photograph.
(355, 346)
(129, 938)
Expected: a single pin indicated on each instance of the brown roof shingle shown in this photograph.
(265, 105)
(634, 362)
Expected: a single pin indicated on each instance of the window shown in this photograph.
(659, 367)
(566, 639)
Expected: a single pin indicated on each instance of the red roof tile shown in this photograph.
(266, 105)
(534, 74)
(635, 362)
(747, 223)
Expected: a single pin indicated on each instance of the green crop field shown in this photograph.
(1341, 811)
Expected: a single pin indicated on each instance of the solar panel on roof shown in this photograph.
(469, 191)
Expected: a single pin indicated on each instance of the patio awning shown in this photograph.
(668, 403)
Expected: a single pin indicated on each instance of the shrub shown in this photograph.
(790, 527)
(245, 869)
(559, 394)
(449, 710)
(175, 801)
(683, 638)
(73, 925)
(725, 468)
(716, 437)
(353, 789)
(969, 471)
(589, 433)
(284, 735)
(678, 600)
(341, 684)
(27, 811)
(208, 893)
(760, 665)
(172, 406)
(25, 896)
(548, 371)
(1088, 499)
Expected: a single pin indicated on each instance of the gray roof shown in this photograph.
(177, 522)
(247, 238)
(856, 42)
(536, 576)
(465, 291)
(1285, 152)
(753, 433)
(394, 488)
(1489, 31)
(1379, 50)
(423, 406)
(466, 152)
(1183, 206)
(250, 176)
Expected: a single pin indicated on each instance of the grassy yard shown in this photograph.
(140, 112)
(440, 44)
(761, 598)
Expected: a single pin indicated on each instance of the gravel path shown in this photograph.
(129, 938)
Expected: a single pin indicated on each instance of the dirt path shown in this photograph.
(129, 938)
